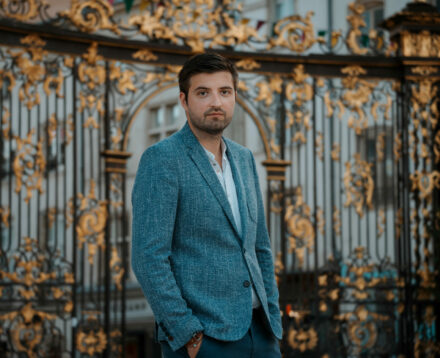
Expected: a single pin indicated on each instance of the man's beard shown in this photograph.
(210, 126)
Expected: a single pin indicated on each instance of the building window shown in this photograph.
(373, 16)
(376, 146)
(164, 121)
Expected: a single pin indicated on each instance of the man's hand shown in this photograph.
(194, 344)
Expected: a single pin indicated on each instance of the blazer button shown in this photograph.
(246, 283)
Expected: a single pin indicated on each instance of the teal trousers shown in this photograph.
(258, 342)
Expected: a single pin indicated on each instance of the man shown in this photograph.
(201, 250)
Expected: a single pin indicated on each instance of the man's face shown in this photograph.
(210, 103)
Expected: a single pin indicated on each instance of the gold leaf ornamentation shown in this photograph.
(91, 16)
(303, 339)
(356, 21)
(24, 10)
(29, 165)
(295, 33)
(299, 226)
(92, 221)
(359, 184)
(424, 183)
(248, 64)
(116, 266)
(5, 214)
(145, 55)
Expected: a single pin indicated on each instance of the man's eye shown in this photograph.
(202, 93)
(225, 92)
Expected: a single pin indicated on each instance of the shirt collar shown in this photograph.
(223, 148)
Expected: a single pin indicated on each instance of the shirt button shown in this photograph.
(246, 283)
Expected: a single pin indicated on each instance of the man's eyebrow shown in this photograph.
(201, 88)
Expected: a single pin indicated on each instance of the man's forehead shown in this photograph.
(210, 80)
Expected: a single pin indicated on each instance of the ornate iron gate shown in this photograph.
(352, 143)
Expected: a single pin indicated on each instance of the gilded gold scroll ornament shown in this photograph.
(91, 338)
(356, 95)
(302, 339)
(299, 226)
(5, 214)
(24, 10)
(29, 165)
(295, 33)
(124, 79)
(29, 62)
(91, 16)
(91, 222)
(248, 64)
(356, 21)
(425, 183)
(28, 326)
(421, 44)
(91, 71)
(116, 266)
(359, 184)
(145, 55)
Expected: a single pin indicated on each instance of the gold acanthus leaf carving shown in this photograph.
(90, 71)
(29, 165)
(299, 226)
(90, 16)
(5, 214)
(422, 44)
(303, 339)
(145, 55)
(91, 342)
(356, 21)
(356, 94)
(116, 266)
(359, 186)
(151, 25)
(27, 10)
(92, 222)
(425, 183)
(248, 64)
(295, 33)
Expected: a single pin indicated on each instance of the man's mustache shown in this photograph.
(214, 110)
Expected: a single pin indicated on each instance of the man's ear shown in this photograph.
(183, 102)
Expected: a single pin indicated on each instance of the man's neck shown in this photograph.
(211, 142)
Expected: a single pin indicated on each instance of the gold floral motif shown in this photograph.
(295, 33)
(425, 183)
(303, 339)
(27, 329)
(91, 342)
(336, 151)
(28, 9)
(27, 325)
(90, 16)
(299, 226)
(124, 79)
(380, 147)
(29, 165)
(248, 64)
(150, 25)
(359, 186)
(90, 71)
(5, 214)
(422, 44)
(52, 124)
(52, 80)
(91, 222)
(236, 33)
(357, 93)
(145, 55)
(6, 124)
(356, 21)
(29, 62)
(116, 266)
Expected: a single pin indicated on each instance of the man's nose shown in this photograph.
(216, 100)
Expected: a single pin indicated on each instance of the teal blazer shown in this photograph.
(193, 266)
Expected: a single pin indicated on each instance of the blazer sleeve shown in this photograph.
(154, 198)
(264, 253)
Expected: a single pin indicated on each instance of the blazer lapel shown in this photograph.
(201, 160)
(239, 186)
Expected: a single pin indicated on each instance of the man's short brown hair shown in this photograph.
(205, 63)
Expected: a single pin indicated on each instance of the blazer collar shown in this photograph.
(201, 160)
